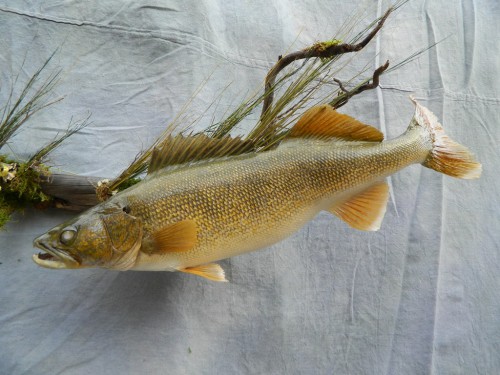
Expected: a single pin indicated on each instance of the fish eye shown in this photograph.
(67, 236)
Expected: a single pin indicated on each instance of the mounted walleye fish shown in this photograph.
(188, 216)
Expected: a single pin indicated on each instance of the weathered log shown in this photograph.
(71, 192)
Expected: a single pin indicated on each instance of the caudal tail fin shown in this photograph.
(446, 156)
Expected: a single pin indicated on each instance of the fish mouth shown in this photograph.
(53, 258)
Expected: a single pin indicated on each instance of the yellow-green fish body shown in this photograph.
(250, 202)
(186, 217)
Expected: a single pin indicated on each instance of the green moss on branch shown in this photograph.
(20, 186)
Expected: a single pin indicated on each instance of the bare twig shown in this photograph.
(344, 97)
(321, 50)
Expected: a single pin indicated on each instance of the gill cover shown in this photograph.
(124, 233)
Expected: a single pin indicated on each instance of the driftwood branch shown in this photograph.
(78, 193)
(321, 50)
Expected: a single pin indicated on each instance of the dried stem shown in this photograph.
(30, 101)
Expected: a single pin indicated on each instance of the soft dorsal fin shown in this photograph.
(211, 271)
(177, 237)
(181, 149)
(322, 121)
(366, 210)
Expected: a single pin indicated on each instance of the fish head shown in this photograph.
(106, 236)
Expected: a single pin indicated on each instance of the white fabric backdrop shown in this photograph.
(420, 296)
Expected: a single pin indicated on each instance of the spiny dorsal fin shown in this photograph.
(322, 121)
(177, 237)
(211, 271)
(366, 210)
(181, 149)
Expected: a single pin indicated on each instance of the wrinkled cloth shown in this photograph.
(419, 296)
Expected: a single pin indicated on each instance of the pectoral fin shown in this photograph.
(211, 271)
(177, 237)
(366, 210)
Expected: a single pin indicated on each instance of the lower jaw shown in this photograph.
(49, 261)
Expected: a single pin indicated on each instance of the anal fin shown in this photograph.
(211, 271)
(365, 210)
